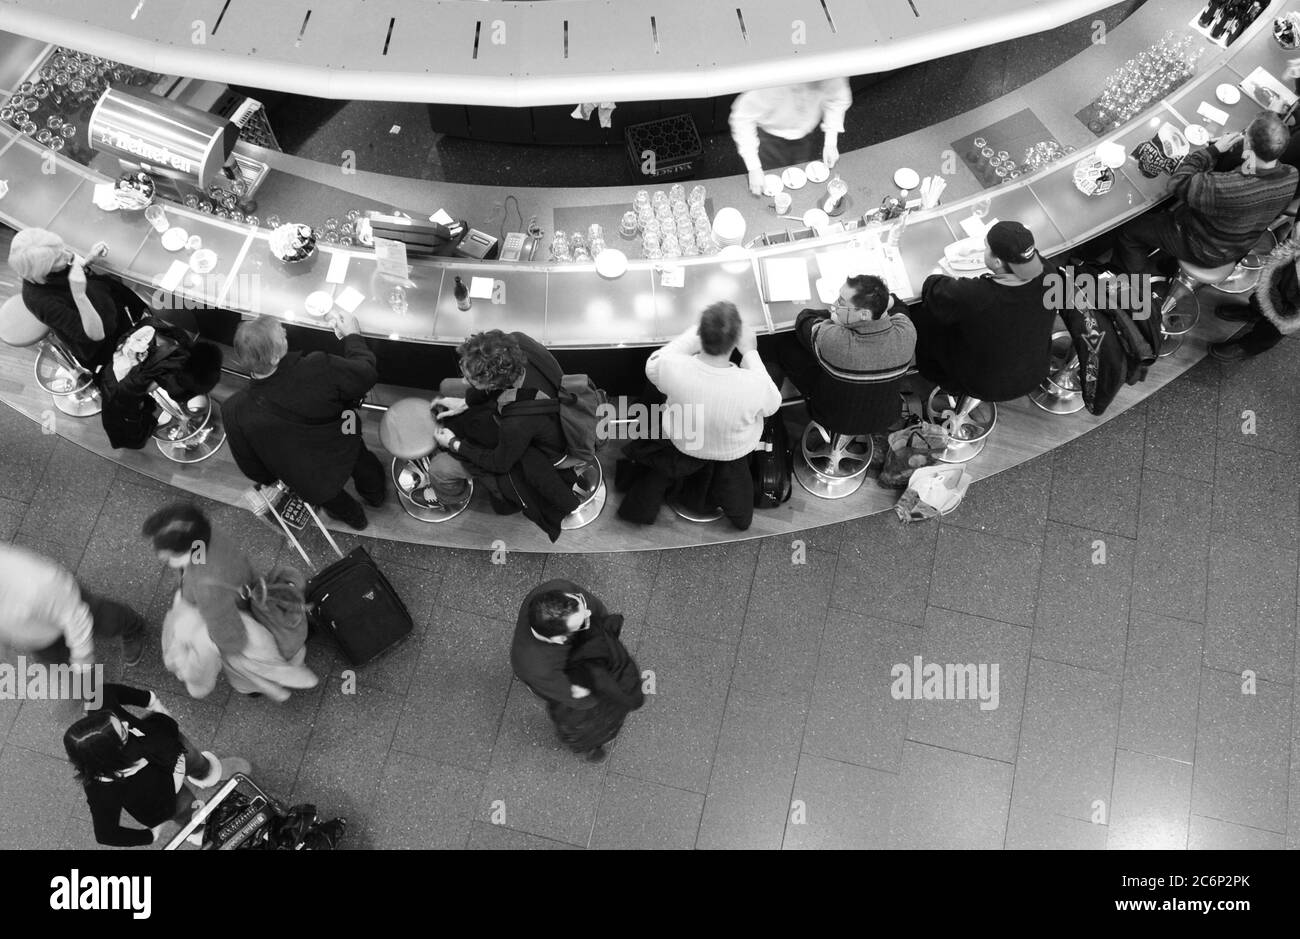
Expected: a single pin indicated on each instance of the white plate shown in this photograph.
(203, 261)
(1228, 94)
(772, 184)
(173, 239)
(611, 263)
(319, 303)
(1196, 135)
(817, 172)
(907, 178)
(816, 218)
(794, 178)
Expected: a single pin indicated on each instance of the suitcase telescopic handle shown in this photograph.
(270, 504)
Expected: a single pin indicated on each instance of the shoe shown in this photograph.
(214, 772)
(1230, 351)
(357, 522)
(597, 755)
(503, 506)
(1235, 312)
(374, 501)
(133, 648)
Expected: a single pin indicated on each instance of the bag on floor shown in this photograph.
(278, 601)
(772, 465)
(352, 600)
(910, 449)
(931, 492)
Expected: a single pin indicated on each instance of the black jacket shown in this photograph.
(129, 412)
(52, 304)
(541, 665)
(149, 795)
(291, 425)
(598, 660)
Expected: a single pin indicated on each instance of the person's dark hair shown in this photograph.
(548, 611)
(93, 747)
(1267, 136)
(201, 370)
(719, 327)
(492, 359)
(177, 527)
(870, 294)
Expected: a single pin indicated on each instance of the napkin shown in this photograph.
(480, 288)
(787, 279)
(172, 279)
(349, 299)
(338, 268)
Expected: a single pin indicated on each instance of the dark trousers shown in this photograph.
(110, 620)
(775, 153)
(655, 470)
(368, 476)
(1262, 335)
(1144, 234)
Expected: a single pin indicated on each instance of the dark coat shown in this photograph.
(52, 304)
(129, 413)
(291, 425)
(149, 795)
(1278, 291)
(541, 665)
(598, 660)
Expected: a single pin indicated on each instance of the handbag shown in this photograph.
(910, 449)
(188, 651)
(278, 601)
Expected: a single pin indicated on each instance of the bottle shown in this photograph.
(461, 295)
(1208, 14)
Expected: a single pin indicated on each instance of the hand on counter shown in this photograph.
(830, 154)
(1225, 142)
(345, 324)
(756, 182)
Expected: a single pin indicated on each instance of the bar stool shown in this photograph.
(691, 515)
(1060, 391)
(967, 422)
(189, 432)
(1181, 309)
(589, 486)
(58, 372)
(407, 432)
(836, 448)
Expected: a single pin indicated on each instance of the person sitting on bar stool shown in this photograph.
(712, 420)
(497, 435)
(856, 340)
(1226, 195)
(299, 420)
(782, 126)
(86, 310)
(989, 337)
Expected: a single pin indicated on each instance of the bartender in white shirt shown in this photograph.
(778, 127)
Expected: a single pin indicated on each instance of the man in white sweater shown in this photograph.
(712, 420)
(43, 611)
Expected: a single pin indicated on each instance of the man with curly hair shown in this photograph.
(503, 432)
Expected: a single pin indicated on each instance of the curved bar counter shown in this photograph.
(520, 54)
(571, 307)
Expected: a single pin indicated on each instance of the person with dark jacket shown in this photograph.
(1273, 310)
(143, 765)
(599, 661)
(155, 352)
(299, 421)
(1226, 194)
(88, 311)
(988, 336)
(552, 619)
(505, 431)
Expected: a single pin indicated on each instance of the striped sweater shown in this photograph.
(863, 351)
(1222, 214)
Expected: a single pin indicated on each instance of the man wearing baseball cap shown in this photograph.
(988, 336)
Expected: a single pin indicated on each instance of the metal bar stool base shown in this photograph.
(81, 404)
(413, 500)
(690, 516)
(591, 488)
(826, 487)
(1055, 401)
(960, 451)
(1169, 344)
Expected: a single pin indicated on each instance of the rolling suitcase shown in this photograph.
(352, 600)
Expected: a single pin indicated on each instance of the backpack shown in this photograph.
(772, 465)
(578, 405)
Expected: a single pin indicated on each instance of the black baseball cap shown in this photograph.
(1011, 243)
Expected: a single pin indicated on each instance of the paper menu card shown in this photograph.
(672, 275)
(786, 279)
(1213, 114)
(349, 299)
(390, 257)
(1265, 89)
(172, 279)
(975, 227)
(338, 268)
(480, 288)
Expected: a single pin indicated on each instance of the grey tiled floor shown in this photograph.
(1121, 721)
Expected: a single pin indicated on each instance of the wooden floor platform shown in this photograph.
(1023, 431)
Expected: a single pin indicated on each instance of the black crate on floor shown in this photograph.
(670, 145)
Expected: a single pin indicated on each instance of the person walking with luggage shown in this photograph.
(299, 421)
(210, 626)
(143, 765)
(45, 612)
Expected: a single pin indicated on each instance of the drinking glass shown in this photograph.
(353, 214)
(676, 193)
(597, 246)
(659, 198)
(697, 196)
(652, 227)
(397, 300)
(628, 226)
(642, 199)
(595, 232)
(43, 136)
(273, 221)
(986, 153)
(680, 210)
(206, 206)
(191, 201)
(253, 220)
(698, 212)
(331, 224)
(56, 144)
(689, 250)
(980, 143)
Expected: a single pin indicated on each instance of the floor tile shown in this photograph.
(1014, 507)
(1162, 673)
(1083, 598)
(1257, 495)
(425, 805)
(839, 806)
(703, 592)
(1150, 803)
(992, 577)
(1250, 618)
(1212, 834)
(639, 815)
(950, 800)
(1096, 478)
(1033, 827)
(1170, 575)
(495, 837)
(36, 794)
(884, 568)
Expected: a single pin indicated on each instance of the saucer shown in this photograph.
(1196, 135)
(173, 239)
(319, 303)
(794, 178)
(203, 260)
(1228, 94)
(772, 184)
(611, 263)
(907, 178)
(817, 172)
